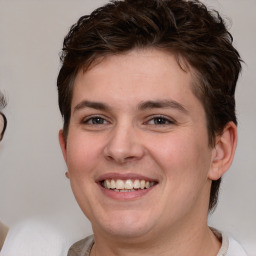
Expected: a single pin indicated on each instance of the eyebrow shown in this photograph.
(91, 104)
(162, 104)
(142, 106)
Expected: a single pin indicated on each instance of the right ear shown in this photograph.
(63, 144)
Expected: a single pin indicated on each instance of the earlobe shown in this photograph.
(223, 152)
(63, 145)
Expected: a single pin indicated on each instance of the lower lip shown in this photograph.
(125, 195)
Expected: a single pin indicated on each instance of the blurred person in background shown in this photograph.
(3, 124)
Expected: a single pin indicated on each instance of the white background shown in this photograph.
(32, 180)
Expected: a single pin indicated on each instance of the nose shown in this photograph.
(124, 145)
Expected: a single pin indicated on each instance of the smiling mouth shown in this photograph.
(127, 185)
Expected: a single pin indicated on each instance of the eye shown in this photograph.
(160, 120)
(95, 120)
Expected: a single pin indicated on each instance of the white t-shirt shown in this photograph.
(229, 247)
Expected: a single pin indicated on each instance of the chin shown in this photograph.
(127, 232)
(125, 226)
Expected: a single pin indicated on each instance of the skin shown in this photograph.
(126, 135)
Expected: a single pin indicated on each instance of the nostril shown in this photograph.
(120, 159)
(123, 144)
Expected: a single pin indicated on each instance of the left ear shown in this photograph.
(223, 152)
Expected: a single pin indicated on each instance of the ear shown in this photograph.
(62, 142)
(63, 146)
(223, 152)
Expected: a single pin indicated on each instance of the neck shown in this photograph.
(194, 241)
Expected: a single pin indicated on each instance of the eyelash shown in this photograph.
(168, 121)
(99, 120)
(90, 120)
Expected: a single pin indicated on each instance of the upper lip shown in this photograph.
(124, 176)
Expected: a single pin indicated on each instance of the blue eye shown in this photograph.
(159, 120)
(95, 121)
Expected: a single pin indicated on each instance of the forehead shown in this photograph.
(134, 72)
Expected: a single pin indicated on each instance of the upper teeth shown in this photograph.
(127, 184)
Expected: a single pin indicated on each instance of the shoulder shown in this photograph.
(3, 234)
(82, 247)
(235, 249)
(230, 247)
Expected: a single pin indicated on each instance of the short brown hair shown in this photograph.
(186, 28)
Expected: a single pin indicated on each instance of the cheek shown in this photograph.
(82, 154)
(182, 156)
(184, 163)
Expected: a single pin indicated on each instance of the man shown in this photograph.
(3, 124)
(146, 89)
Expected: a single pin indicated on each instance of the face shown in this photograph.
(137, 148)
